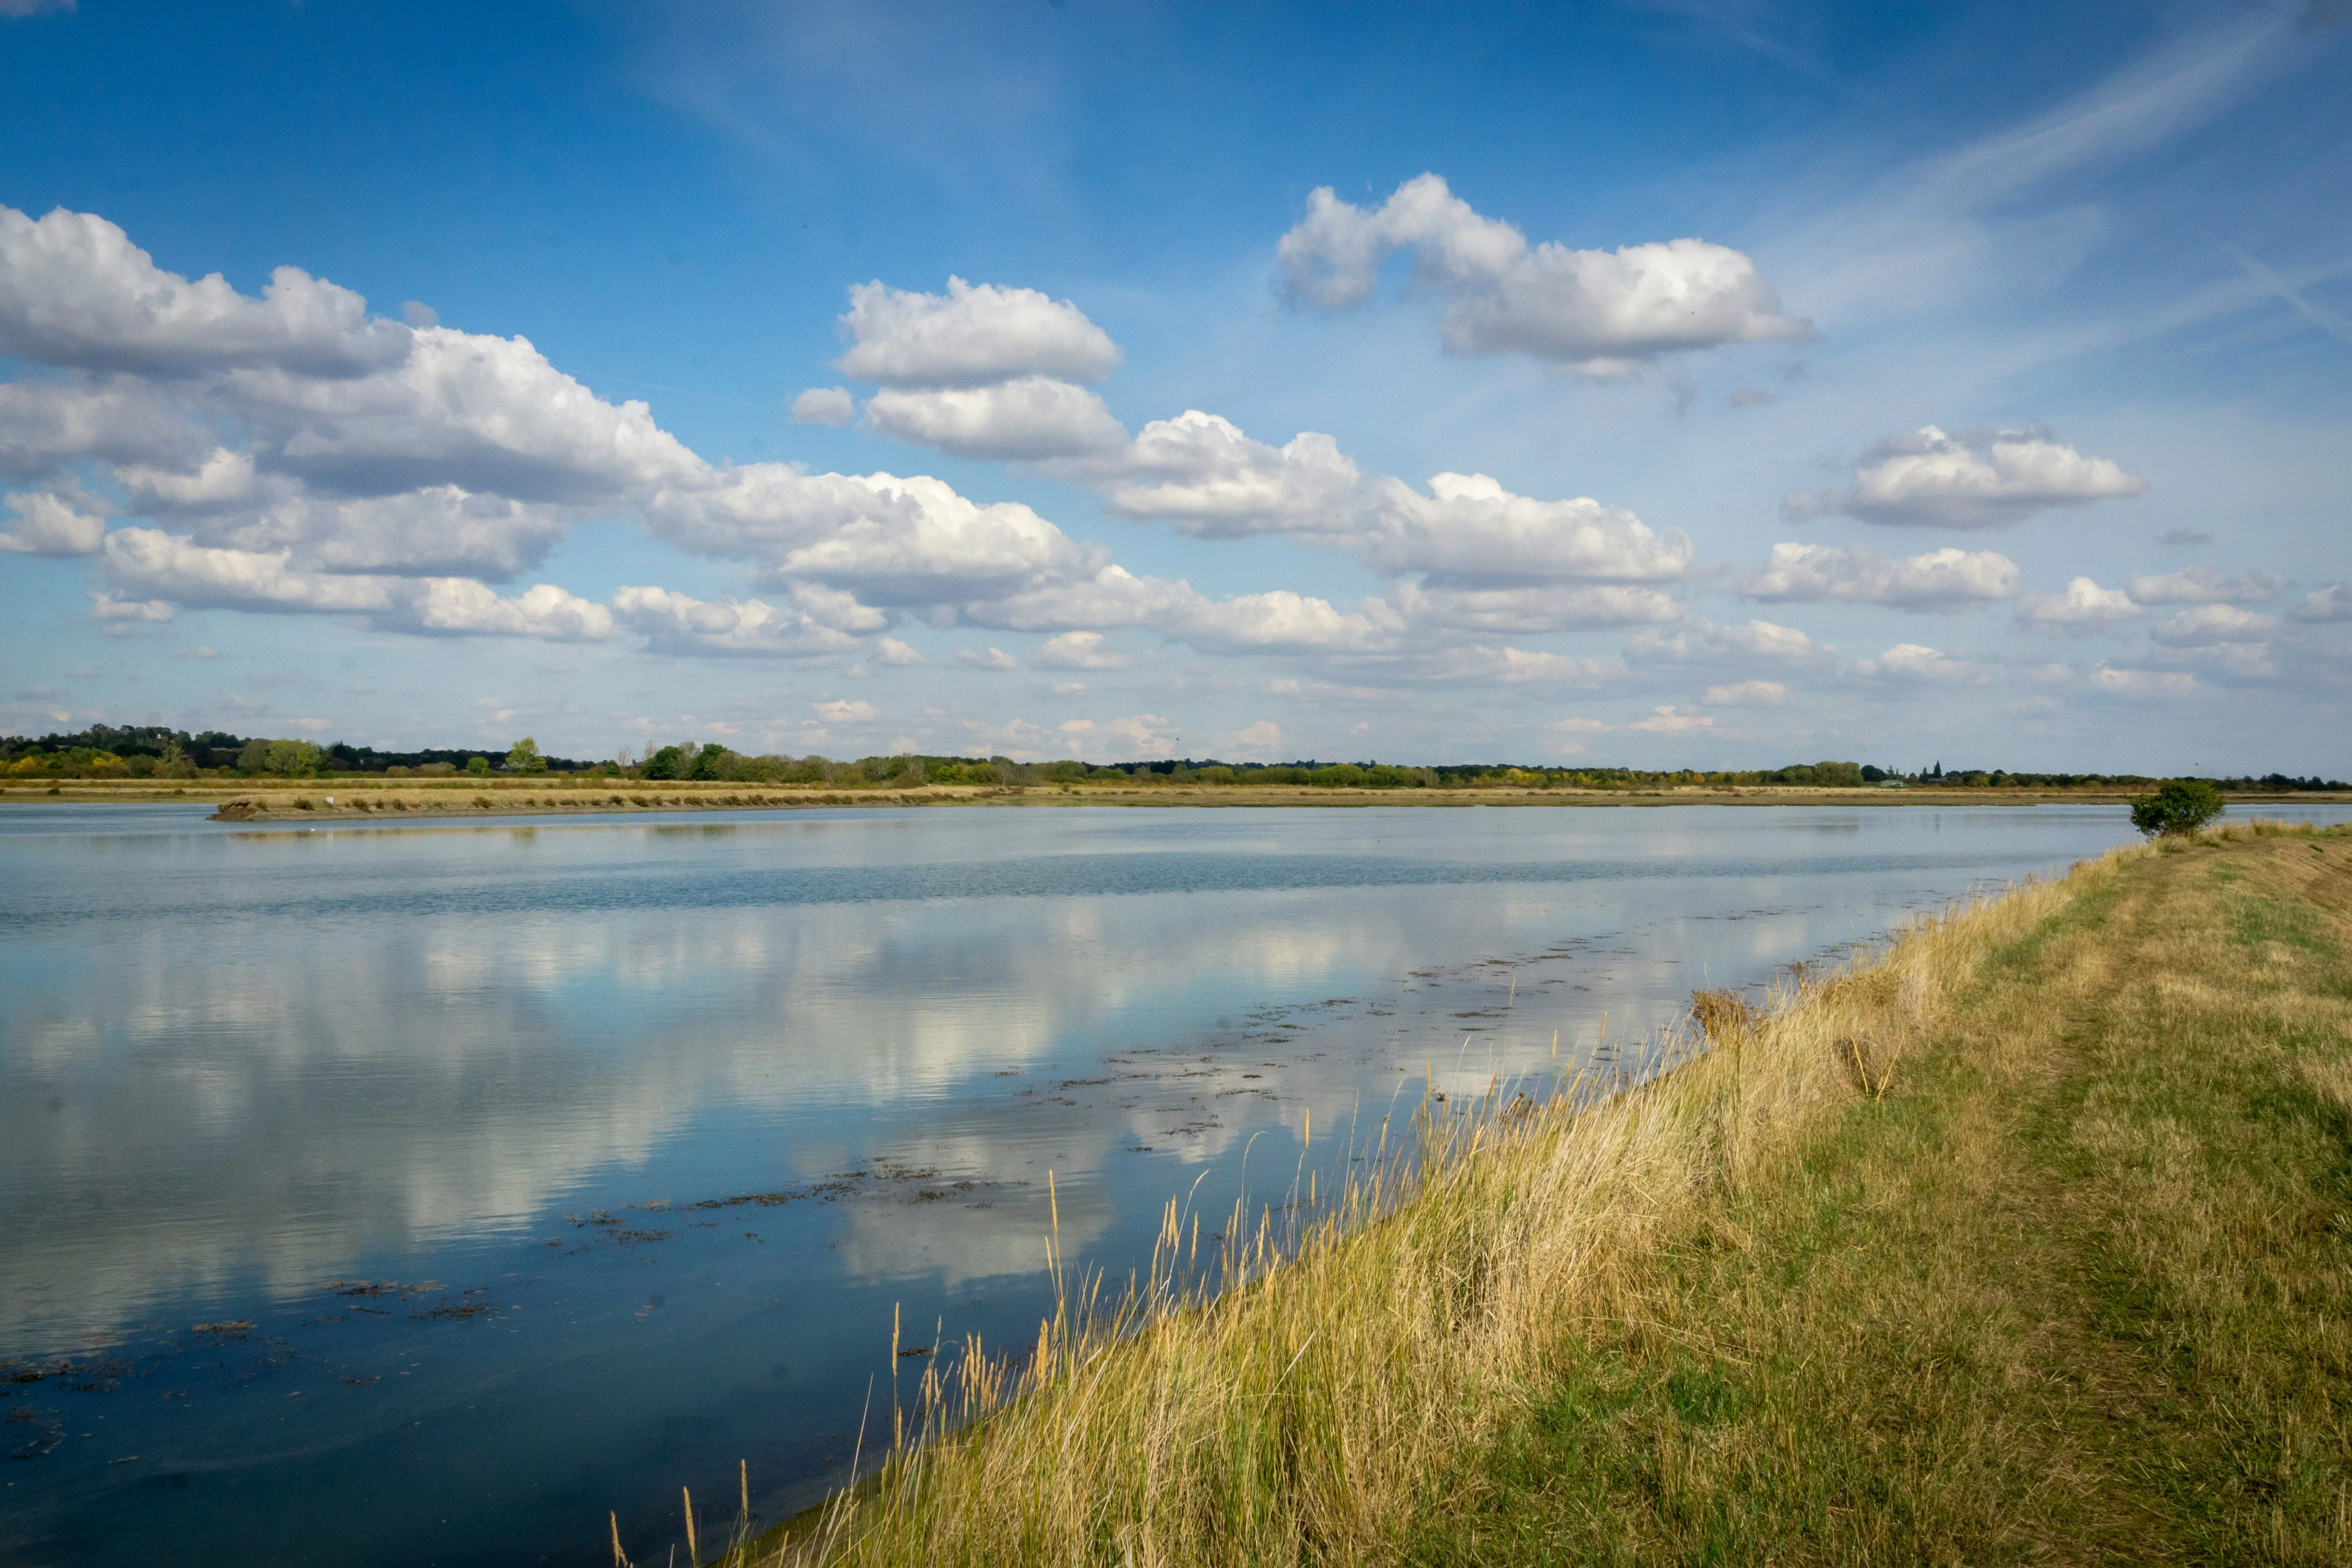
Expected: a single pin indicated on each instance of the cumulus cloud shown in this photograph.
(1701, 641)
(2207, 624)
(891, 651)
(837, 710)
(1667, 721)
(74, 291)
(1261, 742)
(994, 658)
(824, 406)
(1539, 607)
(1469, 530)
(1600, 312)
(676, 623)
(1938, 580)
(1138, 736)
(1199, 473)
(974, 334)
(2082, 603)
(1745, 694)
(1030, 419)
(1081, 650)
(1981, 478)
(2202, 585)
(542, 610)
(1918, 662)
(2143, 682)
(2333, 603)
(106, 608)
(176, 569)
(48, 524)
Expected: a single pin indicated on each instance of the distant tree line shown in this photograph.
(148, 751)
(152, 751)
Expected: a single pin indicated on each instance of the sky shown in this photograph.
(1664, 384)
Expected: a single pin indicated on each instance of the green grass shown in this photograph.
(2076, 1290)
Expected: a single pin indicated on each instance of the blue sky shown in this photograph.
(1668, 384)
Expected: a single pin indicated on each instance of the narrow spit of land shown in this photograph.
(378, 799)
(2027, 1241)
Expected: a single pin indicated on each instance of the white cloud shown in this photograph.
(2143, 682)
(74, 291)
(824, 406)
(2202, 585)
(47, 424)
(438, 529)
(1278, 620)
(1138, 737)
(937, 548)
(542, 610)
(976, 334)
(676, 622)
(891, 651)
(1540, 607)
(48, 525)
(1470, 530)
(1745, 694)
(1080, 650)
(2209, 624)
(1199, 473)
(1667, 721)
(106, 608)
(994, 658)
(1975, 479)
(1258, 742)
(1699, 641)
(174, 568)
(838, 712)
(1918, 662)
(1601, 313)
(1941, 579)
(2333, 603)
(1032, 418)
(2082, 603)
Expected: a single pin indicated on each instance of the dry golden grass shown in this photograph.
(1900, 1270)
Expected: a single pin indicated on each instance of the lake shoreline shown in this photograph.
(1853, 1269)
(367, 799)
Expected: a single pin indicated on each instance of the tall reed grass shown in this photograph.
(1294, 1386)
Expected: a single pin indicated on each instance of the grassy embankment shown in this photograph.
(2026, 1241)
(373, 796)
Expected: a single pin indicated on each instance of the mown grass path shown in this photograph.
(2077, 1289)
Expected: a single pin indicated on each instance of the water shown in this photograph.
(418, 1195)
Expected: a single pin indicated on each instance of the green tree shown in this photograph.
(478, 766)
(287, 759)
(709, 763)
(2178, 807)
(665, 764)
(523, 757)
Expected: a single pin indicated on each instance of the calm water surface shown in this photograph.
(417, 1194)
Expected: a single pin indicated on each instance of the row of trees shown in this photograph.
(151, 752)
(103, 751)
